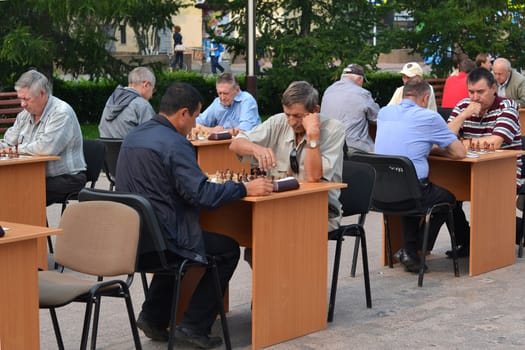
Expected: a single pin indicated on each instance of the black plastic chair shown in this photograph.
(110, 161)
(355, 200)
(397, 192)
(152, 241)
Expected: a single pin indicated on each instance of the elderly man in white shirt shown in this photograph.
(48, 126)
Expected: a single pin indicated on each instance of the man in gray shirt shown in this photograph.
(346, 101)
(128, 106)
(48, 126)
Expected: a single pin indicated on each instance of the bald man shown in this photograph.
(511, 84)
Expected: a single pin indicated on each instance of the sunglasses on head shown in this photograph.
(294, 164)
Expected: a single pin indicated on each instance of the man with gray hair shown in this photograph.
(347, 101)
(128, 106)
(511, 84)
(48, 126)
(300, 142)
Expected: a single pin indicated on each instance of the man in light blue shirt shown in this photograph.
(410, 129)
(233, 110)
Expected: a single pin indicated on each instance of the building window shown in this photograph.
(123, 34)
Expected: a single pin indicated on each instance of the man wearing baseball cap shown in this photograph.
(412, 69)
(347, 101)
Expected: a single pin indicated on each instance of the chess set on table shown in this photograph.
(279, 184)
(10, 153)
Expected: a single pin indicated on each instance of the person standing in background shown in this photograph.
(215, 52)
(177, 46)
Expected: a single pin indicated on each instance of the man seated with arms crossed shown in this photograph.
(299, 142)
(233, 110)
(157, 161)
(412, 130)
(48, 126)
(486, 121)
(128, 106)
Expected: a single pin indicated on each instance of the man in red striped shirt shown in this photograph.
(489, 122)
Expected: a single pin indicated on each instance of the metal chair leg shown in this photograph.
(335, 276)
(452, 233)
(56, 327)
(175, 305)
(388, 242)
(366, 274)
(220, 300)
(424, 250)
(354, 258)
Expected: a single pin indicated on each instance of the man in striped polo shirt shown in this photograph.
(491, 122)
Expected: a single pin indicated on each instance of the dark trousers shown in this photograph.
(203, 307)
(461, 225)
(215, 64)
(179, 55)
(58, 187)
(413, 226)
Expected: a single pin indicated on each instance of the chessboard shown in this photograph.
(280, 184)
(221, 176)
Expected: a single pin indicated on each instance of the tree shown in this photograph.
(73, 35)
(309, 40)
(471, 27)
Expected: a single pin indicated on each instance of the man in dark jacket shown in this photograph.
(128, 106)
(156, 160)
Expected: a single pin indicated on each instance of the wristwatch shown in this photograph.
(312, 143)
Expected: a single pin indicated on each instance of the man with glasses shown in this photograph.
(128, 107)
(299, 142)
(48, 126)
(233, 110)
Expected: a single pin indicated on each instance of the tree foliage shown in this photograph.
(73, 35)
(453, 26)
(311, 40)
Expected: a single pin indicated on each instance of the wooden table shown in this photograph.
(23, 193)
(19, 314)
(288, 234)
(489, 184)
(216, 155)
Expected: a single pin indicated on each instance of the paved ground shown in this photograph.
(482, 312)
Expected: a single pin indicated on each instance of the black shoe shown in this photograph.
(151, 330)
(203, 341)
(462, 251)
(410, 260)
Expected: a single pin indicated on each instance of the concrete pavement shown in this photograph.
(481, 312)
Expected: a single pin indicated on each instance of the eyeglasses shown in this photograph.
(294, 164)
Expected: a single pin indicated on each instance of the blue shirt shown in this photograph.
(409, 130)
(242, 114)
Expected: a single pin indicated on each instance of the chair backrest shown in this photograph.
(151, 237)
(397, 187)
(357, 197)
(94, 153)
(445, 112)
(99, 238)
(110, 161)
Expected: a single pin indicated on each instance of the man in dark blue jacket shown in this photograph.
(157, 160)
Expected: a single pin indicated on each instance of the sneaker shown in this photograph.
(203, 341)
(152, 331)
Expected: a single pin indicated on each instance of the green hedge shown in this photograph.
(88, 98)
